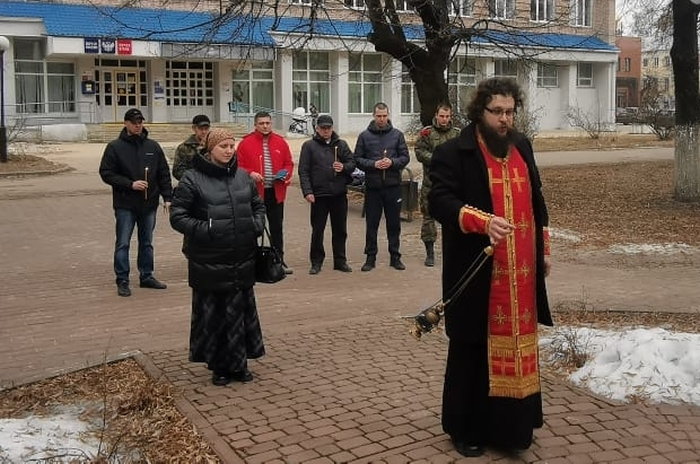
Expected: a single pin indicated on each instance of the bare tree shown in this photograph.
(684, 56)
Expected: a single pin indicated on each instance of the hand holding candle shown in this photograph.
(145, 177)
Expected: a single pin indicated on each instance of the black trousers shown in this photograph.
(275, 217)
(388, 201)
(337, 208)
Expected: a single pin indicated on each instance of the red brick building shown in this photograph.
(628, 79)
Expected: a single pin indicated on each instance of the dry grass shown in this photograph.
(133, 415)
(606, 204)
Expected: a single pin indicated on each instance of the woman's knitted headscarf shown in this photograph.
(215, 137)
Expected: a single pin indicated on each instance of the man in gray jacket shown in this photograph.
(381, 152)
(325, 168)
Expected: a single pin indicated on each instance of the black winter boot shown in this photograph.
(369, 263)
(430, 254)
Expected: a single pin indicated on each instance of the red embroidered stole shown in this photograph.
(512, 345)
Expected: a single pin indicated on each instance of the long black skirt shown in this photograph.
(470, 415)
(225, 329)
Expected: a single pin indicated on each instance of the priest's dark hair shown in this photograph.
(485, 91)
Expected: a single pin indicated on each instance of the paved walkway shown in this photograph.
(342, 380)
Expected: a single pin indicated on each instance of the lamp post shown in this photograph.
(4, 46)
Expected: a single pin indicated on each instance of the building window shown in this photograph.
(402, 6)
(311, 76)
(541, 10)
(460, 7)
(667, 61)
(42, 86)
(365, 82)
(656, 61)
(665, 84)
(584, 74)
(502, 9)
(189, 83)
(355, 4)
(628, 64)
(461, 79)
(253, 89)
(547, 75)
(581, 12)
(409, 96)
(505, 68)
(306, 2)
(645, 62)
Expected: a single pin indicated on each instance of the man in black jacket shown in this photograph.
(325, 167)
(381, 152)
(136, 168)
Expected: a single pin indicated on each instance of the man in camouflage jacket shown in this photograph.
(428, 140)
(190, 147)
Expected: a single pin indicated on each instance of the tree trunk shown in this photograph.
(431, 88)
(684, 55)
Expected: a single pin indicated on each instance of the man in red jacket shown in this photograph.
(268, 158)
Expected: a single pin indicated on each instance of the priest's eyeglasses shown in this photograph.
(499, 112)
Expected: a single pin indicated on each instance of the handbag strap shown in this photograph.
(269, 238)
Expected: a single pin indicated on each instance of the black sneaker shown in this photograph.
(315, 269)
(152, 282)
(123, 288)
(342, 267)
(369, 263)
(397, 264)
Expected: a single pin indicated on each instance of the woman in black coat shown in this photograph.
(218, 209)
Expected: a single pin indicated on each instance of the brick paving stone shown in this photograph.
(342, 380)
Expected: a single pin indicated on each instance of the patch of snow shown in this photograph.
(652, 248)
(564, 234)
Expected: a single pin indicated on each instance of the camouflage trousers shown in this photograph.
(428, 229)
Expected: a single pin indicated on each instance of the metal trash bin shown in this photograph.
(409, 195)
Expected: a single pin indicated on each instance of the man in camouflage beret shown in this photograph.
(428, 140)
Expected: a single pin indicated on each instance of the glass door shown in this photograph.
(117, 91)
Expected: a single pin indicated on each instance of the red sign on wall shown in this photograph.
(124, 46)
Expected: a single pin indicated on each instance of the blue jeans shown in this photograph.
(146, 223)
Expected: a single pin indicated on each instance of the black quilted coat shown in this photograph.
(221, 214)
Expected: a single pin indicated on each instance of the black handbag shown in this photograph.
(269, 267)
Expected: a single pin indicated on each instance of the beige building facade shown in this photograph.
(72, 62)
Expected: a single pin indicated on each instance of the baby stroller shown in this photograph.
(299, 123)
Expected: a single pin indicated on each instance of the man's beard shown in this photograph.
(498, 145)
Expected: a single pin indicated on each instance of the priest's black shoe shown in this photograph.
(241, 376)
(152, 282)
(342, 267)
(220, 379)
(466, 450)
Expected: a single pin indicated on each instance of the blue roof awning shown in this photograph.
(65, 20)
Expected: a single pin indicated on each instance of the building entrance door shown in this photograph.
(118, 90)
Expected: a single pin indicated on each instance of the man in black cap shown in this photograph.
(136, 168)
(190, 147)
(326, 164)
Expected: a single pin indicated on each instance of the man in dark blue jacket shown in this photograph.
(325, 168)
(381, 152)
(136, 168)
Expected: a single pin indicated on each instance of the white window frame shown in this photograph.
(462, 8)
(409, 96)
(584, 78)
(313, 81)
(581, 13)
(461, 78)
(254, 83)
(354, 4)
(547, 75)
(505, 68)
(501, 9)
(541, 10)
(368, 81)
